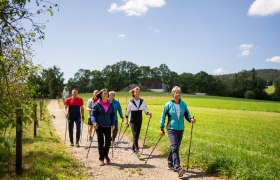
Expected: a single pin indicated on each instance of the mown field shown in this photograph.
(235, 138)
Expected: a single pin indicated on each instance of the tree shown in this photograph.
(17, 27)
(97, 80)
(54, 81)
(120, 75)
(83, 79)
(145, 74)
(187, 82)
(164, 73)
(248, 81)
(18, 31)
(276, 94)
(206, 83)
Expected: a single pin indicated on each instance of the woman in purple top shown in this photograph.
(102, 118)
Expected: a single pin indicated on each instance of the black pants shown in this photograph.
(71, 127)
(103, 132)
(135, 128)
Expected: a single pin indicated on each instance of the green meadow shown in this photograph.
(233, 138)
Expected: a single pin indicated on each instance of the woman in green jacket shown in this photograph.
(176, 110)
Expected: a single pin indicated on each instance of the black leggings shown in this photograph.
(101, 133)
(135, 128)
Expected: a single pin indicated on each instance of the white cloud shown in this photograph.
(275, 59)
(121, 35)
(246, 49)
(136, 7)
(219, 71)
(155, 30)
(264, 8)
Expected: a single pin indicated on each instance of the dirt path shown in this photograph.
(124, 164)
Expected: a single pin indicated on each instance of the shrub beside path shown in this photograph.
(124, 164)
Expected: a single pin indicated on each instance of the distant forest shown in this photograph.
(124, 74)
(269, 75)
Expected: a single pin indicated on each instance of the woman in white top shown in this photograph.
(134, 109)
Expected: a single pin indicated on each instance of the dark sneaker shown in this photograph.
(71, 144)
(77, 145)
(133, 151)
(181, 172)
(108, 160)
(101, 162)
(114, 143)
(171, 168)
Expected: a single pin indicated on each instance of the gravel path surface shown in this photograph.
(124, 164)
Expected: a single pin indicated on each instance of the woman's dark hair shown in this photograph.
(98, 95)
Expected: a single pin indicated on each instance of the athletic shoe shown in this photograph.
(133, 151)
(101, 162)
(71, 144)
(77, 145)
(171, 168)
(181, 172)
(108, 160)
(113, 144)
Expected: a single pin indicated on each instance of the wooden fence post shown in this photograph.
(35, 119)
(41, 109)
(19, 113)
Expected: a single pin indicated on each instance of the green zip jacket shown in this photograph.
(173, 122)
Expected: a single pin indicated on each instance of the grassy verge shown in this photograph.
(44, 157)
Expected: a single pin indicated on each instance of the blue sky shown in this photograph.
(218, 37)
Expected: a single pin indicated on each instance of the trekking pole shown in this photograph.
(146, 133)
(190, 146)
(66, 130)
(81, 131)
(121, 137)
(93, 134)
(112, 143)
(153, 150)
(90, 144)
(112, 151)
(87, 132)
(120, 130)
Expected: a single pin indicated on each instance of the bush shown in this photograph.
(250, 94)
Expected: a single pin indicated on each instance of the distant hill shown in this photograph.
(270, 75)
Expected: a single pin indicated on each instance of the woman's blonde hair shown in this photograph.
(133, 90)
(174, 89)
